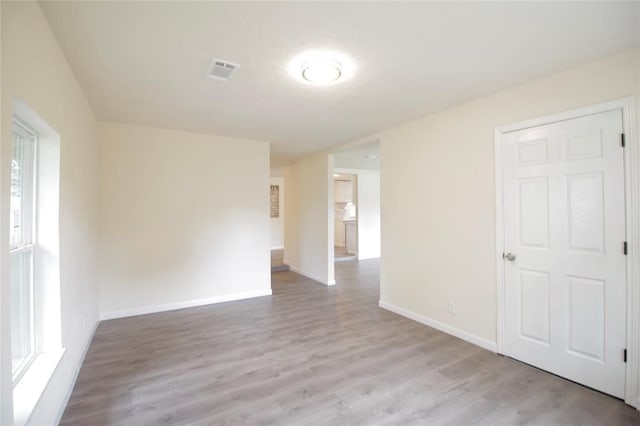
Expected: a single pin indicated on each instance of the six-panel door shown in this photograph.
(564, 221)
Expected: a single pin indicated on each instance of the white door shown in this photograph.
(564, 229)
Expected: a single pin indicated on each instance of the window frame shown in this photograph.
(29, 241)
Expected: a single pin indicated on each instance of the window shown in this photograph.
(34, 259)
(22, 220)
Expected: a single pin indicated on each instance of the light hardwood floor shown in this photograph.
(340, 254)
(310, 355)
(277, 261)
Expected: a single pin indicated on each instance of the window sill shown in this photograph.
(27, 392)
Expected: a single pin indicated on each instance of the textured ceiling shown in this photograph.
(144, 62)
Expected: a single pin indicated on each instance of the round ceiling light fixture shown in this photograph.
(321, 70)
(321, 67)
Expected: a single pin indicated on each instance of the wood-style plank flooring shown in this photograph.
(314, 355)
(277, 261)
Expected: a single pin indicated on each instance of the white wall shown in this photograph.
(309, 211)
(438, 193)
(184, 219)
(277, 223)
(368, 203)
(35, 71)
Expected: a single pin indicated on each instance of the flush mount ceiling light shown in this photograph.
(321, 67)
(321, 71)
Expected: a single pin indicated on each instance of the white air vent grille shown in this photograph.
(221, 70)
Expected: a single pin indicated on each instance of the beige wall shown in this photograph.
(368, 214)
(35, 71)
(184, 219)
(438, 193)
(308, 235)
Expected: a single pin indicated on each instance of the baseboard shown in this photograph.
(461, 334)
(309, 275)
(75, 374)
(277, 248)
(182, 305)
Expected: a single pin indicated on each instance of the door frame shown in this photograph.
(632, 215)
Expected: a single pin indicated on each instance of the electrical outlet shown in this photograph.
(451, 307)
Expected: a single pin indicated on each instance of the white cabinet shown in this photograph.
(351, 237)
(343, 191)
(339, 234)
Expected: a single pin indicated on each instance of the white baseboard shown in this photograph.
(309, 275)
(461, 334)
(181, 305)
(277, 248)
(75, 375)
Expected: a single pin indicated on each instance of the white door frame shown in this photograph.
(632, 198)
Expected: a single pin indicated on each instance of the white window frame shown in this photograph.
(49, 349)
(29, 242)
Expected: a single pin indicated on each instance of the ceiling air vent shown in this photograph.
(221, 70)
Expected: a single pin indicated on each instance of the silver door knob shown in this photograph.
(509, 256)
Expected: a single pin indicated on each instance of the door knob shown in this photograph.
(509, 256)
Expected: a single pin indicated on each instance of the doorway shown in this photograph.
(356, 175)
(345, 216)
(276, 213)
(562, 227)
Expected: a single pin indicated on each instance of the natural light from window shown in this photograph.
(34, 254)
(21, 249)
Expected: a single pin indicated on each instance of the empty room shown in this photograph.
(327, 213)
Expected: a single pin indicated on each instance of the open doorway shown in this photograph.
(276, 200)
(345, 216)
(356, 176)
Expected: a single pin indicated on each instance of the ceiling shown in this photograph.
(362, 156)
(144, 62)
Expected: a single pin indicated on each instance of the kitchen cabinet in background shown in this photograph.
(351, 236)
(343, 191)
